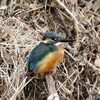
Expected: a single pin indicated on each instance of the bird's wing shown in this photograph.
(38, 53)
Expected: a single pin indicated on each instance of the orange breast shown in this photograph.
(50, 61)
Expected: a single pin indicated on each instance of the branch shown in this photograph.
(53, 95)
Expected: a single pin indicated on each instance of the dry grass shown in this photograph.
(22, 23)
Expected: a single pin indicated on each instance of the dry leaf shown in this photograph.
(98, 39)
(97, 62)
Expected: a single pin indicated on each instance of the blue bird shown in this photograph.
(43, 58)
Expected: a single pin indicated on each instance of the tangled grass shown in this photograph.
(22, 23)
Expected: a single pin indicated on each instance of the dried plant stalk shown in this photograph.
(51, 87)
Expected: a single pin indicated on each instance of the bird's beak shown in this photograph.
(63, 40)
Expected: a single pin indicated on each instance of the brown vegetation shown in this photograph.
(22, 23)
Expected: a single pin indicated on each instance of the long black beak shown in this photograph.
(62, 40)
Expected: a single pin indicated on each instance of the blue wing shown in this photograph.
(37, 54)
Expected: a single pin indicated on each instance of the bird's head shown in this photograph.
(54, 37)
(50, 35)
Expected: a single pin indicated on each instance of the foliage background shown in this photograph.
(22, 23)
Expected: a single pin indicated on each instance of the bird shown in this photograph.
(44, 57)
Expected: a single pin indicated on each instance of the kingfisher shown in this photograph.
(44, 57)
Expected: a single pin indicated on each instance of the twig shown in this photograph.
(20, 88)
(76, 25)
(71, 56)
(71, 14)
(93, 66)
(51, 87)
